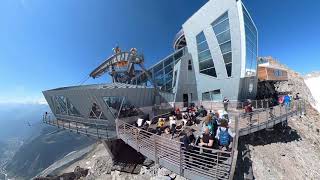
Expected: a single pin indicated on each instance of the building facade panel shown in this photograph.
(221, 24)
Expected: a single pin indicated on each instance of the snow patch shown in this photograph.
(313, 84)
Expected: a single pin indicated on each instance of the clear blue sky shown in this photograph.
(49, 44)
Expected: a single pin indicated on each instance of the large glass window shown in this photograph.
(113, 103)
(221, 29)
(251, 44)
(214, 95)
(64, 106)
(96, 112)
(206, 65)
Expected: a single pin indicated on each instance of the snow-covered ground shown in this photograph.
(313, 83)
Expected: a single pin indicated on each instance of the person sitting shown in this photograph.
(178, 114)
(202, 112)
(224, 135)
(160, 125)
(207, 122)
(207, 139)
(188, 139)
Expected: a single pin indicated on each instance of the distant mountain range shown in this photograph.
(42, 144)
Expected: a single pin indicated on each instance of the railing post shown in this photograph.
(97, 131)
(156, 160)
(69, 126)
(137, 139)
(77, 127)
(107, 132)
(180, 162)
(117, 126)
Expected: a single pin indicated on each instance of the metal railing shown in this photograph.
(170, 153)
(213, 105)
(268, 117)
(200, 161)
(100, 131)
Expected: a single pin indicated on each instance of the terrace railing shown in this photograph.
(197, 163)
(96, 130)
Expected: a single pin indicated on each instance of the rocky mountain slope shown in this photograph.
(292, 153)
(43, 150)
(101, 167)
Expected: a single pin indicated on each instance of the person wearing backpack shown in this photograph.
(224, 135)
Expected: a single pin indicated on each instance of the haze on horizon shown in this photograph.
(49, 44)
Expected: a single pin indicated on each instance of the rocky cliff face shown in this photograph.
(37, 154)
(101, 167)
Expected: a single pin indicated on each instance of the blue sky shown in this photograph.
(49, 44)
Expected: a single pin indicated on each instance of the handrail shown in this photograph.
(174, 154)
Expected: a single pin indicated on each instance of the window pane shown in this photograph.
(226, 47)
(158, 75)
(206, 96)
(223, 17)
(206, 64)
(221, 27)
(178, 55)
(189, 65)
(168, 68)
(227, 58)
(168, 85)
(229, 69)
(168, 61)
(158, 68)
(216, 95)
(210, 72)
(224, 37)
(168, 77)
(203, 46)
(200, 37)
(204, 55)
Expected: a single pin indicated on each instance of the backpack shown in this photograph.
(211, 127)
(224, 137)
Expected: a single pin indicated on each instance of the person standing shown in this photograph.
(248, 110)
(225, 103)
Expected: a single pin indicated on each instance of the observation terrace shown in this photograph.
(198, 163)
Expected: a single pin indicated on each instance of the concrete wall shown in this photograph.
(186, 80)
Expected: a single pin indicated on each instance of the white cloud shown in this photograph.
(23, 100)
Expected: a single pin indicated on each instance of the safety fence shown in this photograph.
(215, 105)
(100, 131)
(195, 163)
(268, 117)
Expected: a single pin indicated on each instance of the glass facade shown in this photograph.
(120, 105)
(64, 106)
(113, 103)
(277, 73)
(96, 112)
(206, 65)
(251, 44)
(162, 73)
(214, 95)
(221, 29)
